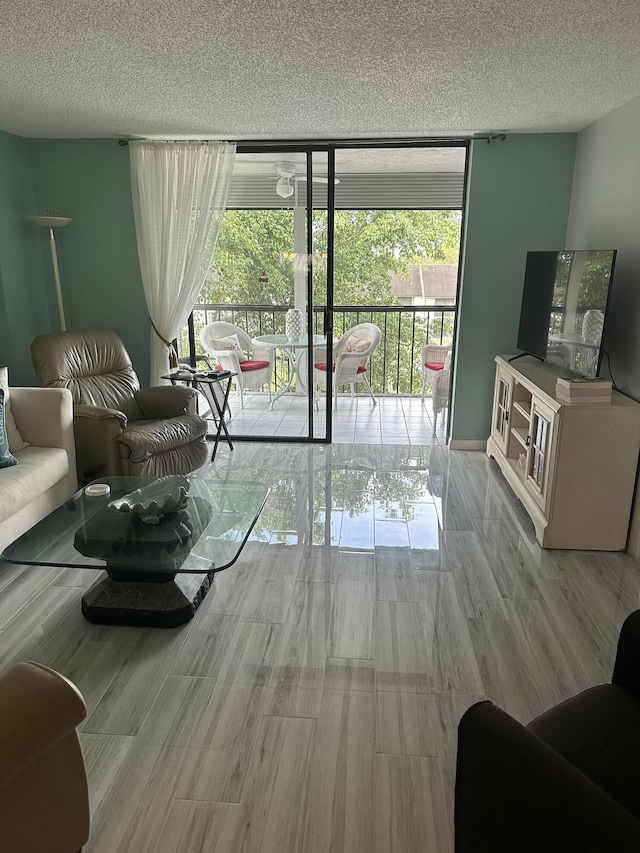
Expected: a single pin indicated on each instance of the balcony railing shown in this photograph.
(396, 366)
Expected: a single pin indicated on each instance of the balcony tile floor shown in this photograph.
(394, 420)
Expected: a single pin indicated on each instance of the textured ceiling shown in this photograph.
(275, 69)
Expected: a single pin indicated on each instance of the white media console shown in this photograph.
(573, 466)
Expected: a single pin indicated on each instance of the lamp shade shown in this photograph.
(50, 221)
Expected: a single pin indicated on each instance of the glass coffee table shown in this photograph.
(158, 569)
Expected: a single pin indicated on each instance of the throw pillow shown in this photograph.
(355, 344)
(6, 459)
(230, 343)
(16, 441)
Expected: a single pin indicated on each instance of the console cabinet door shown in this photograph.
(540, 443)
(502, 409)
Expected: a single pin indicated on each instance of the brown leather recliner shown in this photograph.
(568, 781)
(44, 799)
(119, 428)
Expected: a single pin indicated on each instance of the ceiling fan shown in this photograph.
(286, 172)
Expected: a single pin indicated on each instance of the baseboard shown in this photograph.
(461, 444)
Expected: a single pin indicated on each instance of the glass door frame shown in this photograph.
(329, 148)
(308, 150)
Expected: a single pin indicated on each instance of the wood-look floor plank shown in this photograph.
(26, 636)
(513, 565)
(406, 724)
(352, 622)
(404, 651)
(132, 814)
(216, 768)
(396, 575)
(278, 785)
(135, 685)
(206, 645)
(271, 586)
(194, 827)
(341, 795)
(506, 670)
(550, 659)
(478, 592)
(19, 596)
(177, 713)
(103, 758)
(455, 660)
(410, 808)
(296, 683)
(350, 674)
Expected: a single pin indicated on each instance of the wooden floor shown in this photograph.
(311, 705)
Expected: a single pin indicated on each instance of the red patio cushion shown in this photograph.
(434, 365)
(253, 365)
(322, 365)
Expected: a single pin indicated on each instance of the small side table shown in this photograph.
(202, 381)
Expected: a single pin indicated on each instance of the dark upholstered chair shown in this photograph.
(44, 800)
(119, 428)
(569, 782)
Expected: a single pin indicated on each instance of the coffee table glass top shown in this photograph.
(202, 531)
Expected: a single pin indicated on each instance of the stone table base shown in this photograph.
(146, 604)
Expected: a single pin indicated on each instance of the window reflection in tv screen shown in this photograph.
(564, 306)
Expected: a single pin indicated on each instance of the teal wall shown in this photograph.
(24, 303)
(89, 180)
(517, 200)
(518, 195)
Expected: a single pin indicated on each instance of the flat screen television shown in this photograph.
(564, 307)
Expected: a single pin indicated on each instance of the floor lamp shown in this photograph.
(54, 219)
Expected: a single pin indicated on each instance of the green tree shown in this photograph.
(255, 245)
(254, 265)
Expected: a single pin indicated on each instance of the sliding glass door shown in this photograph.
(266, 294)
(320, 240)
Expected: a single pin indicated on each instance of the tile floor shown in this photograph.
(311, 705)
(394, 420)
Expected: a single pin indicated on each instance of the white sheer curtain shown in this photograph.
(179, 195)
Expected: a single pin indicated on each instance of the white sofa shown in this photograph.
(45, 475)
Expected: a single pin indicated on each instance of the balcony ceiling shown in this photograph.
(276, 69)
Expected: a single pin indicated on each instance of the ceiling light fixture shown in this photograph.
(283, 187)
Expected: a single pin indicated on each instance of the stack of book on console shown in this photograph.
(585, 390)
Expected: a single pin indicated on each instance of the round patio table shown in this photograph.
(289, 348)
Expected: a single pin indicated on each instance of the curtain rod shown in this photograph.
(342, 143)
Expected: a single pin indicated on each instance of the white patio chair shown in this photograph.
(433, 359)
(441, 390)
(233, 349)
(351, 353)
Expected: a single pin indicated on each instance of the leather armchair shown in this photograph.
(120, 429)
(44, 800)
(569, 781)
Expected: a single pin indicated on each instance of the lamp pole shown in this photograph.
(49, 220)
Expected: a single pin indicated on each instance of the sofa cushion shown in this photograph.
(253, 364)
(39, 469)
(322, 365)
(16, 441)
